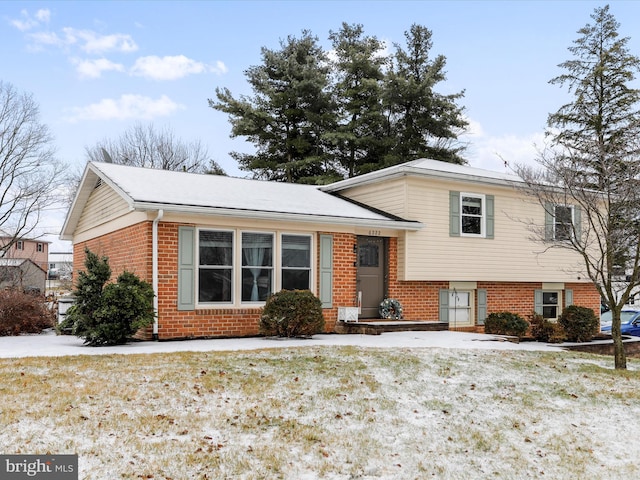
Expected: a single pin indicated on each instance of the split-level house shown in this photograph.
(449, 243)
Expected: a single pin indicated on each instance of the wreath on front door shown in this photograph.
(391, 309)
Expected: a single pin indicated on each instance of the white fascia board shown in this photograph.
(293, 217)
(403, 171)
(82, 195)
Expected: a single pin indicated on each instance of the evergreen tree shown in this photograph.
(288, 116)
(108, 314)
(361, 137)
(426, 124)
(595, 162)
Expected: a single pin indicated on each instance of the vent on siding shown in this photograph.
(98, 184)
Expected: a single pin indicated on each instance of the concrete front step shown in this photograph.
(376, 327)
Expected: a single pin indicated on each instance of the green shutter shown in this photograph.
(326, 271)
(490, 215)
(186, 268)
(568, 298)
(537, 302)
(482, 305)
(548, 221)
(454, 214)
(444, 305)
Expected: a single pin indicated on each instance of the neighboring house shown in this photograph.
(22, 274)
(442, 239)
(35, 250)
(60, 266)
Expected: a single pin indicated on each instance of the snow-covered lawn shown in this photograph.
(397, 407)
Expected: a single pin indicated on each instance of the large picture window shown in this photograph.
(472, 214)
(236, 267)
(296, 262)
(215, 272)
(257, 266)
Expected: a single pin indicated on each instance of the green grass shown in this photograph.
(326, 413)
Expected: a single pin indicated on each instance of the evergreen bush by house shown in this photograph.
(544, 330)
(506, 323)
(292, 313)
(579, 323)
(108, 314)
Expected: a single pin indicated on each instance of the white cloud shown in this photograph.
(27, 22)
(219, 68)
(43, 15)
(43, 39)
(491, 153)
(86, 40)
(172, 67)
(137, 107)
(95, 43)
(94, 68)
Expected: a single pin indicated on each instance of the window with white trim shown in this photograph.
(215, 266)
(472, 214)
(460, 307)
(245, 267)
(296, 262)
(562, 222)
(40, 247)
(257, 266)
(550, 304)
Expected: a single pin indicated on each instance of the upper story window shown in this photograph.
(562, 222)
(40, 247)
(472, 214)
(19, 245)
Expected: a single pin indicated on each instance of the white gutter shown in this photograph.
(266, 215)
(154, 274)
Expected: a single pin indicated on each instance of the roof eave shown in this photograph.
(408, 170)
(280, 216)
(91, 173)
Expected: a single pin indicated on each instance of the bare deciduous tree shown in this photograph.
(589, 185)
(29, 172)
(142, 146)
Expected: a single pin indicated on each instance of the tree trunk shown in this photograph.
(619, 355)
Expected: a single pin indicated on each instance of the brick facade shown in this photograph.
(130, 248)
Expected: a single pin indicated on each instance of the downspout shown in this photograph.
(154, 274)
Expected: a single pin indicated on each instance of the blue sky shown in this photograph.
(97, 68)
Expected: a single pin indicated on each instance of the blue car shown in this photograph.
(629, 322)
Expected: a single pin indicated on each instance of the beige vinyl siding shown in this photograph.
(390, 196)
(103, 205)
(432, 254)
(511, 256)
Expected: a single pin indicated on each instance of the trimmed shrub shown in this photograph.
(23, 313)
(108, 314)
(506, 323)
(544, 330)
(579, 323)
(292, 313)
